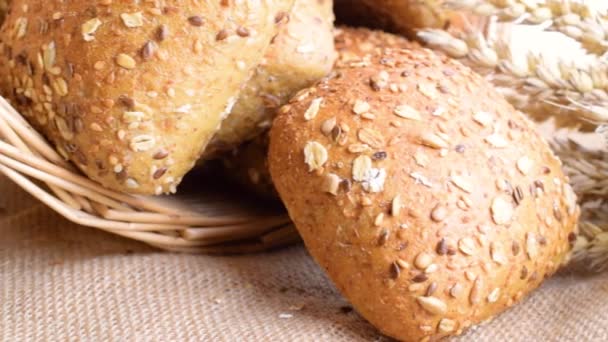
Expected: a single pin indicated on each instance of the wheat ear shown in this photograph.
(574, 92)
(576, 19)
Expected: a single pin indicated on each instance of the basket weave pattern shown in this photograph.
(182, 223)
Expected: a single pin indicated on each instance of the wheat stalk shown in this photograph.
(588, 173)
(541, 84)
(579, 20)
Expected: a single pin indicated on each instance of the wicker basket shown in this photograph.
(201, 218)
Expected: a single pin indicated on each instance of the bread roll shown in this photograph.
(431, 203)
(301, 54)
(403, 16)
(132, 92)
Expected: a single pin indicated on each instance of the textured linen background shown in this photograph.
(62, 282)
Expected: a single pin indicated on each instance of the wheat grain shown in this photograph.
(578, 19)
(588, 174)
(531, 81)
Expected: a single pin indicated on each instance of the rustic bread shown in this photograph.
(301, 54)
(431, 203)
(132, 92)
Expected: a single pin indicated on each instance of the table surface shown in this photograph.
(59, 281)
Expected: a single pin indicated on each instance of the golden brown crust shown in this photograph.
(431, 203)
(132, 92)
(301, 54)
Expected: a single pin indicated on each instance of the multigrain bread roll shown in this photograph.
(431, 203)
(403, 16)
(301, 54)
(132, 92)
(248, 165)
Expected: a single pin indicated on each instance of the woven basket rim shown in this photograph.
(28, 159)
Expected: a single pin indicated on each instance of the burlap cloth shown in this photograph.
(62, 282)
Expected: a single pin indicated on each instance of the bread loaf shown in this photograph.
(301, 54)
(132, 92)
(431, 203)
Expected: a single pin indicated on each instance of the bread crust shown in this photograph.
(133, 92)
(431, 203)
(301, 54)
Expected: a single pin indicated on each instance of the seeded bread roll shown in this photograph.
(132, 92)
(301, 54)
(403, 16)
(431, 203)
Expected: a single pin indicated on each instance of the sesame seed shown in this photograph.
(147, 51)
(524, 164)
(221, 35)
(497, 141)
(142, 143)
(446, 325)
(531, 245)
(420, 278)
(125, 61)
(483, 118)
(407, 112)
(475, 294)
(433, 140)
(89, 28)
(439, 213)
(494, 295)
(497, 254)
(431, 289)
(242, 31)
(383, 238)
(442, 247)
(467, 246)
(379, 219)
(502, 211)
(361, 107)
(162, 33)
(396, 205)
(423, 260)
(328, 125)
(394, 270)
(456, 290)
(132, 20)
